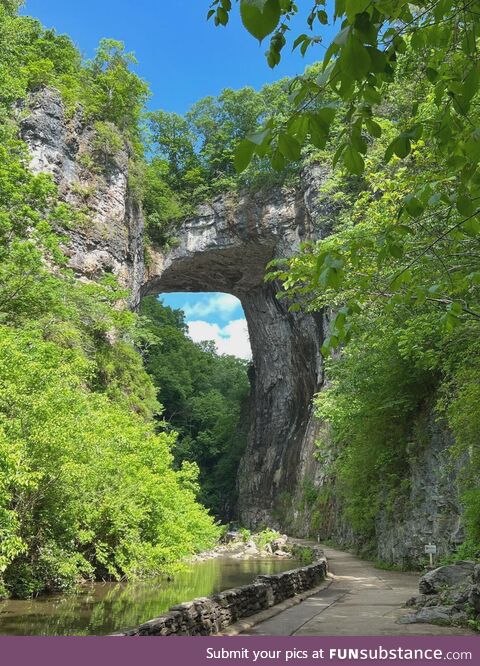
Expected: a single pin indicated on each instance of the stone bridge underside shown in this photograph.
(225, 248)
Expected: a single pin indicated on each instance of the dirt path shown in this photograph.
(361, 600)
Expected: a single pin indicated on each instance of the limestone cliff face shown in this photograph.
(226, 247)
(431, 511)
(110, 238)
(426, 509)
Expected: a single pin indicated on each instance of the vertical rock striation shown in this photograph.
(110, 237)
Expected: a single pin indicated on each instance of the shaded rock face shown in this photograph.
(428, 509)
(432, 512)
(227, 247)
(110, 237)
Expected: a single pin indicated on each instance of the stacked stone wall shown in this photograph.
(210, 615)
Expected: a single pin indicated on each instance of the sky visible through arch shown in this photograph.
(214, 316)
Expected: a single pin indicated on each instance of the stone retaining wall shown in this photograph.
(209, 615)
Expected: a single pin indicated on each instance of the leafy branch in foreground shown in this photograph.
(417, 65)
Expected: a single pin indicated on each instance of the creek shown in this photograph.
(104, 608)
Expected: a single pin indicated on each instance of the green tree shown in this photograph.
(87, 488)
(113, 92)
(173, 141)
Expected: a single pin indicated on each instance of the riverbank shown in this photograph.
(245, 545)
(206, 616)
(104, 608)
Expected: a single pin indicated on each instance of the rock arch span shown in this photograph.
(226, 248)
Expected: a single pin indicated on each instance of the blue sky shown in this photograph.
(180, 54)
(184, 58)
(217, 317)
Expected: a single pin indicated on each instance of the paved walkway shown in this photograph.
(361, 600)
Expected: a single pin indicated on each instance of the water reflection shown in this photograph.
(103, 608)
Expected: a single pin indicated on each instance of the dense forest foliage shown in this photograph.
(193, 156)
(88, 483)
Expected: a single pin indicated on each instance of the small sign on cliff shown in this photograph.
(431, 550)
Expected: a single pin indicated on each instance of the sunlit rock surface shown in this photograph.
(109, 235)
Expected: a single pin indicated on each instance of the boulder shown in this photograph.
(417, 601)
(449, 575)
(251, 548)
(429, 615)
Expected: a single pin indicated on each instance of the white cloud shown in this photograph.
(230, 339)
(222, 305)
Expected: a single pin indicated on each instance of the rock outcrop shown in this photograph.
(448, 595)
(226, 248)
(109, 235)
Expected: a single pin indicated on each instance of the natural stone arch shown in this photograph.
(226, 248)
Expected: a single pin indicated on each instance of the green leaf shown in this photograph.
(342, 36)
(353, 161)
(417, 40)
(471, 227)
(260, 17)
(243, 155)
(455, 308)
(355, 59)
(289, 147)
(258, 138)
(413, 206)
(465, 205)
(378, 60)
(322, 17)
(299, 40)
(396, 250)
(373, 128)
(338, 154)
(353, 7)
(371, 95)
(451, 321)
(222, 17)
(400, 146)
(278, 161)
